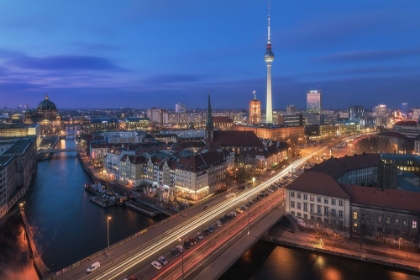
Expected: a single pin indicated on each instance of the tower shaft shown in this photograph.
(269, 109)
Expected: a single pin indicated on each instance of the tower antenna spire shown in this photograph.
(269, 39)
(255, 94)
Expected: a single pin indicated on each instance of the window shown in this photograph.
(355, 215)
(405, 223)
(332, 201)
(318, 209)
(305, 196)
(326, 220)
(318, 219)
(305, 216)
(305, 206)
(311, 198)
(298, 195)
(312, 208)
(299, 214)
(292, 204)
(379, 229)
(325, 200)
(292, 194)
(333, 212)
(414, 224)
(293, 212)
(318, 199)
(355, 225)
(340, 213)
(312, 218)
(379, 219)
(388, 220)
(325, 211)
(340, 203)
(299, 205)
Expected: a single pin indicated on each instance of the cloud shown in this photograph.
(64, 62)
(19, 86)
(372, 55)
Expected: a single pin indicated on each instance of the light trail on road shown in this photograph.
(146, 250)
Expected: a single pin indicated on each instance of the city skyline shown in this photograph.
(149, 54)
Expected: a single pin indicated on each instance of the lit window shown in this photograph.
(414, 224)
(354, 215)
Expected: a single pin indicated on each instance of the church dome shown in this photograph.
(46, 105)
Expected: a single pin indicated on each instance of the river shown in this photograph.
(68, 227)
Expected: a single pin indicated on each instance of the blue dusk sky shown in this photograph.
(144, 53)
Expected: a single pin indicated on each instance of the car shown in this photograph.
(93, 267)
(206, 232)
(243, 208)
(199, 235)
(175, 252)
(233, 214)
(187, 245)
(156, 265)
(180, 248)
(239, 210)
(210, 229)
(162, 260)
(192, 241)
(219, 224)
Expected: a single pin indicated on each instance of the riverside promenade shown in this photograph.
(290, 235)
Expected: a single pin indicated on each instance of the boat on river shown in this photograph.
(141, 208)
(104, 202)
(95, 189)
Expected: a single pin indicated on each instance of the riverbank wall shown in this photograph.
(350, 249)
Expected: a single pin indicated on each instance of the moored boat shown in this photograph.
(142, 208)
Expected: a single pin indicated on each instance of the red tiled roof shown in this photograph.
(392, 134)
(336, 167)
(200, 162)
(236, 139)
(394, 199)
(407, 123)
(222, 120)
(318, 183)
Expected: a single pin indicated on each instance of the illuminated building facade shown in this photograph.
(254, 111)
(314, 102)
(356, 113)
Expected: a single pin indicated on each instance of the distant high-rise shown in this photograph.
(180, 108)
(356, 113)
(314, 107)
(404, 109)
(314, 102)
(290, 109)
(254, 111)
(269, 57)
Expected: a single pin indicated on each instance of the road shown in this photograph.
(136, 256)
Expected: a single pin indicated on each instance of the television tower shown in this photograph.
(269, 57)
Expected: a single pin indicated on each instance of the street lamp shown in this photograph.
(108, 218)
(182, 257)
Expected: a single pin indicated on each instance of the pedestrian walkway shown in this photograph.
(348, 247)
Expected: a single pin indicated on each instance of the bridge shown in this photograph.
(209, 258)
(52, 151)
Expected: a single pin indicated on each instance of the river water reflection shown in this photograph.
(67, 226)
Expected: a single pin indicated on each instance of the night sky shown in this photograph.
(144, 53)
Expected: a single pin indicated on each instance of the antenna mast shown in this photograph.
(269, 39)
(255, 94)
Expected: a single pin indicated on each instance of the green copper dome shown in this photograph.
(46, 105)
